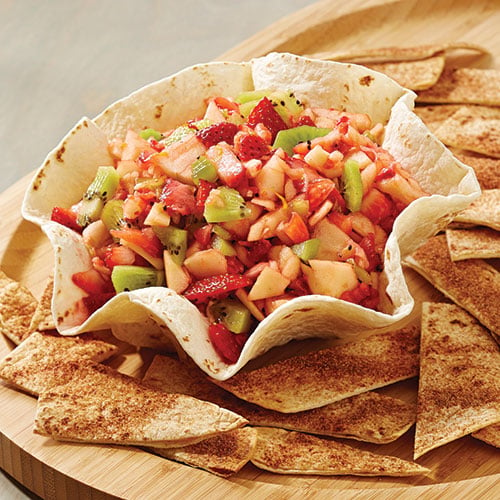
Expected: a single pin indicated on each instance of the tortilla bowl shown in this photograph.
(157, 316)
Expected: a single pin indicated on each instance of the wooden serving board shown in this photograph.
(466, 468)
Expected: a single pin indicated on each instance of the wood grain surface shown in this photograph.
(466, 468)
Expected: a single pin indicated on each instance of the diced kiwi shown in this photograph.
(252, 96)
(104, 184)
(306, 250)
(287, 139)
(352, 185)
(149, 184)
(178, 134)
(286, 104)
(200, 124)
(224, 247)
(221, 232)
(233, 314)
(225, 204)
(151, 132)
(126, 278)
(174, 240)
(112, 214)
(89, 210)
(299, 205)
(204, 169)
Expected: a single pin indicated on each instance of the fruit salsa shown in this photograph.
(261, 200)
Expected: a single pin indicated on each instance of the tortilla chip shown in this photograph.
(487, 169)
(464, 86)
(42, 318)
(475, 128)
(459, 384)
(37, 364)
(102, 405)
(287, 452)
(17, 305)
(398, 53)
(434, 115)
(171, 102)
(222, 455)
(415, 75)
(484, 211)
(322, 377)
(472, 284)
(369, 416)
(474, 243)
(490, 435)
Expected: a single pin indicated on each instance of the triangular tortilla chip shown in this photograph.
(484, 211)
(464, 86)
(414, 75)
(17, 305)
(490, 435)
(38, 363)
(101, 405)
(322, 377)
(487, 169)
(42, 318)
(369, 416)
(434, 115)
(473, 243)
(459, 384)
(475, 128)
(472, 284)
(222, 455)
(287, 452)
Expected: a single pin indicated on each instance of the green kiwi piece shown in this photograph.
(112, 214)
(104, 184)
(352, 185)
(224, 246)
(203, 168)
(287, 139)
(306, 250)
(286, 104)
(174, 240)
(126, 278)
(89, 210)
(225, 204)
(178, 134)
(233, 314)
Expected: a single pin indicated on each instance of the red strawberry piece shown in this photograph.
(265, 113)
(234, 265)
(143, 238)
(363, 294)
(94, 302)
(257, 250)
(367, 243)
(66, 217)
(119, 256)
(216, 286)
(218, 132)
(92, 282)
(178, 198)
(249, 146)
(204, 188)
(296, 229)
(228, 345)
(318, 191)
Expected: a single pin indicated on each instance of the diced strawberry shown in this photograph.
(304, 120)
(204, 188)
(318, 191)
(227, 344)
(250, 146)
(66, 217)
(218, 132)
(265, 113)
(234, 265)
(364, 295)
(296, 229)
(379, 208)
(342, 221)
(257, 250)
(203, 235)
(225, 103)
(119, 256)
(229, 168)
(92, 282)
(216, 286)
(94, 302)
(143, 238)
(178, 198)
(367, 243)
(299, 286)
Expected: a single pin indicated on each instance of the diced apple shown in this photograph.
(157, 216)
(265, 226)
(206, 263)
(271, 179)
(289, 263)
(176, 277)
(326, 277)
(268, 284)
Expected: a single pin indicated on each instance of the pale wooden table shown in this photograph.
(61, 60)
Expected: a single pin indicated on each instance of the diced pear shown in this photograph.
(206, 263)
(269, 283)
(265, 226)
(176, 277)
(289, 263)
(326, 277)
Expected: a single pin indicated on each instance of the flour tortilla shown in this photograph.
(180, 97)
(459, 383)
(370, 417)
(285, 452)
(80, 410)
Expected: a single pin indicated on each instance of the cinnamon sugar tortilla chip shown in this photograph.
(222, 455)
(285, 452)
(322, 377)
(484, 211)
(475, 128)
(464, 86)
(490, 435)
(101, 405)
(38, 363)
(178, 98)
(473, 243)
(434, 115)
(487, 169)
(42, 317)
(415, 75)
(369, 416)
(472, 284)
(17, 305)
(459, 384)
